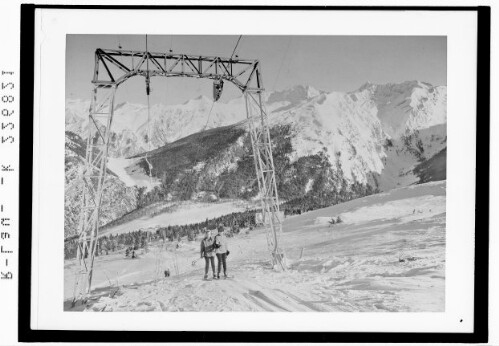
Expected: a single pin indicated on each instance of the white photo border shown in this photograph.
(52, 26)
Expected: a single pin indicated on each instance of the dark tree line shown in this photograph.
(234, 222)
(107, 244)
(318, 197)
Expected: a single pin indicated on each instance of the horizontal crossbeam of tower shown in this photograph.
(119, 65)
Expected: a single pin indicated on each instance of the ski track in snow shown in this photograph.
(387, 255)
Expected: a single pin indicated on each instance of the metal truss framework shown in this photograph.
(114, 67)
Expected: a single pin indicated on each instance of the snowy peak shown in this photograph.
(201, 99)
(393, 88)
(354, 127)
(405, 107)
(295, 95)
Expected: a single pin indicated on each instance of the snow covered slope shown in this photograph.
(387, 256)
(406, 107)
(356, 126)
(374, 130)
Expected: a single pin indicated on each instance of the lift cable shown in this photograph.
(148, 91)
(282, 62)
(237, 43)
(213, 103)
(209, 114)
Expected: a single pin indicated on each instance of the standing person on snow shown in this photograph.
(207, 251)
(222, 250)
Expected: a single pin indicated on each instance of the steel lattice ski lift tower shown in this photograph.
(114, 67)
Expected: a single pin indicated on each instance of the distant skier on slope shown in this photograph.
(222, 250)
(207, 251)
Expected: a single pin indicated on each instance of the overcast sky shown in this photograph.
(329, 63)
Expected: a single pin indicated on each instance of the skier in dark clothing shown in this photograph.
(207, 251)
(222, 251)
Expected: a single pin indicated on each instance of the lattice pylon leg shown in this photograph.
(93, 176)
(265, 172)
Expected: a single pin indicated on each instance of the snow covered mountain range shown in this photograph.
(385, 131)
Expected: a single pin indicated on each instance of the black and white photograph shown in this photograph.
(290, 173)
(303, 172)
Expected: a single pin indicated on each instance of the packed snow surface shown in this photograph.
(388, 254)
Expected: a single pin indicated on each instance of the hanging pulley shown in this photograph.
(218, 85)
